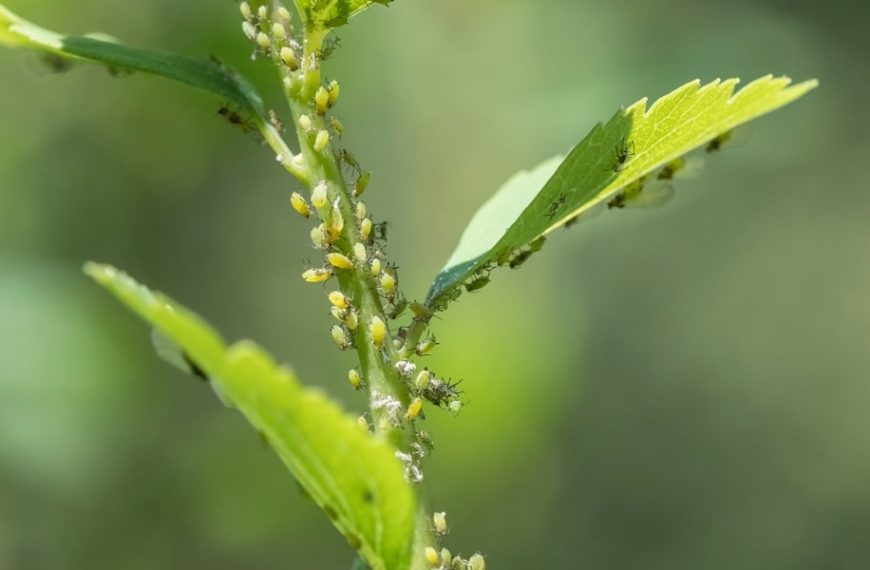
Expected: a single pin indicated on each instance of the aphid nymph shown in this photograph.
(624, 151)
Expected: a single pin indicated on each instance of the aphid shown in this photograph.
(478, 282)
(339, 260)
(377, 330)
(317, 275)
(335, 223)
(321, 140)
(352, 319)
(388, 284)
(339, 299)
(375, 267)
(334, 89)
(288, 56)
(556, 205)
(446, 555)
(420, 311)
(320, 237)
(537, 244)
(455, 406)
(641, 195)
(381, 230)
(623, 153)
(397, 309)
(361, 210)
(245, 9)
(284, 15)
(338, 313)
(422, 380)
(406, 368)
(279, 32)
(476, 562)
(263, 12)
(503, 257)
(329, 47)
(365, 229)
(249, 30)
(300, 205)
(339, 337)
(681, 167)
(356, 381)
(440, 522)
(359, 251)
(336, 126)
(362, 182)
(305, 123)
(264, 42)
(319, 196)
(321, 100)
(426, 346)
(236, 119)
(716, 143)
(432, 556)
(350, 161)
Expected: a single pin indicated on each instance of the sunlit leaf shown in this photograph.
(632, 144)
(352, 475)
(329, 14)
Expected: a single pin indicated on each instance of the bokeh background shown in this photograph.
(679, 388)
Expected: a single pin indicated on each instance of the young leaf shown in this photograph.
(203, 74)
(633, 143)
(354, 476)
(329, 14)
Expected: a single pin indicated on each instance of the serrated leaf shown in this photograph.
(329, 14)
(200, 73)
(526, 208)
(352, 475)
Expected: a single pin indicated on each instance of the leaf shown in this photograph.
(200, 73)
(527, 207)
(329, 14)
(354, 476)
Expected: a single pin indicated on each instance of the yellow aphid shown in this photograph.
(440, 522)
(334, 91)
(388, 283)
(320, 237)
(356, 381)
(321, 100)
(263, 41)
(378, 330)
(426, 346)
(249, 30)
(319, 195)
(321, 140)
(278, 32)
(288, 56)
(318, 275)
(476, 562)
(339, 336)
(422, 380)
(414, 409)
(263, 12)
(376, 267)
(446, 555)
(339, 299)
(361, 210)
(351, 320)
(335, 222)
(339, 313)
(245, 9)
(339, 260)
(359, 251)
(365, 229)
(305, 122)
(300, 205)
(363, 423)
(432, 556)
(284, 14)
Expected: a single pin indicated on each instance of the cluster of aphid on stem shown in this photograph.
(352, 247)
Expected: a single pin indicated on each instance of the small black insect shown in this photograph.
(624, 151)
(716, 144)
(520, 258)
(235, 118)
(556, 205)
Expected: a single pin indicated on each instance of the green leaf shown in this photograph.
(200, 73)
(329, 14)
(534, 203)
(354, 476)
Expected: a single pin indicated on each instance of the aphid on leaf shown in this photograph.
(317, 275)
(397, 308)
(377, 330)
(681, 167)
(355, 380)
(349, 160)
(556, 205)
(624, 151)
(339, 336)
(339, 260)
(336, 126)
(520, 258)
(426, 346)
(381, 230)
(478, 282)
(329, 46)
(440, 522)
(300, 205)
(642, 195)
(237, 119)
(716, 143)
(362, 182)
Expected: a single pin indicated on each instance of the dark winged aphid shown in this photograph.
(716, 144)
(556, 205)
(329, 46)
(235, 118)
(397, 308)
(623, 153)
(350, 161)
(381, 230)
(56, 63)
(441, 392)
(520, 258)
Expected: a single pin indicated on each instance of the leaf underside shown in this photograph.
(204, 74)
(352, 475)
(534, 203)
(328, 14)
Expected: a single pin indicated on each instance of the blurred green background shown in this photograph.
(685, 388)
